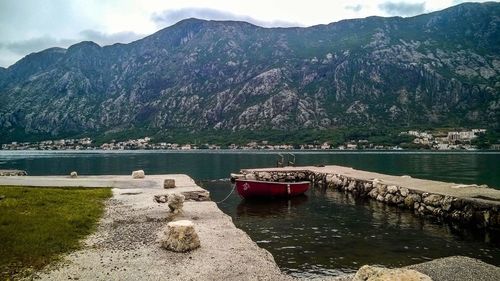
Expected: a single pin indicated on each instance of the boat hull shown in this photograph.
(266, 189)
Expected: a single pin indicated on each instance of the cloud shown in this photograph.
(355, 8)
(402, 8)
(169, 17)
(23, 47)
(10, 52)
(109, 39)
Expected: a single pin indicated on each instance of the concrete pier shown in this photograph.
(126, 245)
(474, 205)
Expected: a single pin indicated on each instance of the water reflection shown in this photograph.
(281, 207)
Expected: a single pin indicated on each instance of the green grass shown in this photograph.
(37, 225)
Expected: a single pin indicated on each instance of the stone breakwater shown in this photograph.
(468, 211)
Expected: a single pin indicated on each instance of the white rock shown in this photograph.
(392, 189)
(404, 191)
(139, 174)
(73, 174)
(180, 236)
(250, 176)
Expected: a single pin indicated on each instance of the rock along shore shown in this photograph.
(473, 205)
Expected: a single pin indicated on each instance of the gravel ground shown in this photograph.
(126, 246)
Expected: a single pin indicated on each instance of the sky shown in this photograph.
(28, 26)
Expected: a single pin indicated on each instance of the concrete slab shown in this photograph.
(126, 244)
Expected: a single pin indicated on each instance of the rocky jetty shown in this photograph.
(479, 211)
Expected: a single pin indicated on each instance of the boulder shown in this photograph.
(73, 175)
(351, 186)
(392, 189)
(201, 195)
(161, 198)
(382, 189)
(388, 198)
(372, 273)
(447, 203)
(175, 202)
(265, 175)
(433, 200)
(404, 191)
(180, 236)
(139, 174)
(168, 183)
(250, 176)
(333, 179)
(397, 199)
(373, 193)
(409, 202)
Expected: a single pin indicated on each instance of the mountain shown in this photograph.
(437, 69)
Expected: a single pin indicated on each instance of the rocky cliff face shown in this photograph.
(436, 69)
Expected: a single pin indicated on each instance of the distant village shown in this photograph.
(453, 140)
(447, 141)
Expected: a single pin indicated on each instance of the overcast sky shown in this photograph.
(33, 25)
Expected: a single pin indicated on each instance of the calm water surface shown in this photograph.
(324, 232)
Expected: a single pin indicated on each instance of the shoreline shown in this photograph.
(256, 151)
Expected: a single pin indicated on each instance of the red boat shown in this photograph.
(267, 189)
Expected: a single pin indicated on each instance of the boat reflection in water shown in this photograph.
(276, 207)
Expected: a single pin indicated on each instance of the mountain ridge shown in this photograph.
(435, 69)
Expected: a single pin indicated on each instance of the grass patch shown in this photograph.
(37, 225)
